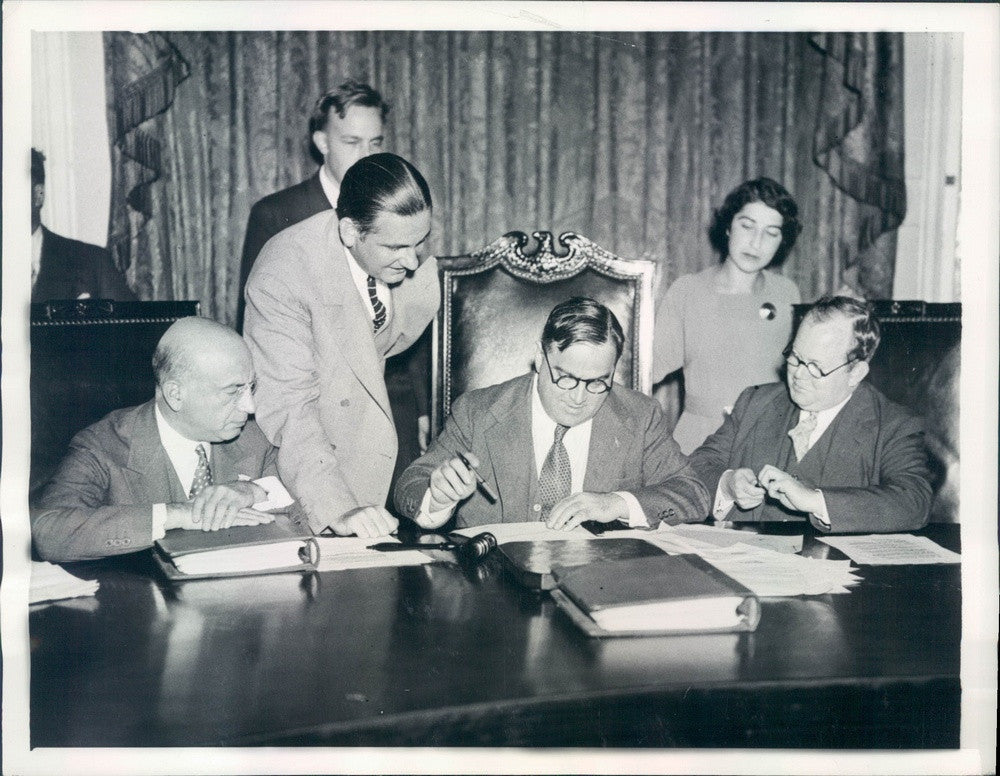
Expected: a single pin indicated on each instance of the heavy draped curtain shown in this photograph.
(630, 139)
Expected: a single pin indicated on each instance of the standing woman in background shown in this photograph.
(727, 325)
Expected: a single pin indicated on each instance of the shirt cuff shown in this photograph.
(723, 503)
(822, 516)
(424, 515)
(636, 517)
(159, 521)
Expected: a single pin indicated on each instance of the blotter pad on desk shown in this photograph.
(531, 562)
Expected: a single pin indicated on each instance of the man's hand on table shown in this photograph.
(367, 522)
(219, 506)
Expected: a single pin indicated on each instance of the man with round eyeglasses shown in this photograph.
(563, 444)
(826, 446)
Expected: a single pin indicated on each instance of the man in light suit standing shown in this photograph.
(827, 447)
(188, 459)
(563, 444)
(327, 301)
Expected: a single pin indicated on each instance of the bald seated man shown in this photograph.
(189, 459)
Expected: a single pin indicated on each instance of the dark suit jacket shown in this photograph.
(100, 500)
(70, 268)
(273, 213)
(870, 463)
(631, 450)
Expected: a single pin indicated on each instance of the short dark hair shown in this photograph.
(381, 183)
(340, 99)
(772, 194)
(582, 319)
(37, 167)
(867, 332)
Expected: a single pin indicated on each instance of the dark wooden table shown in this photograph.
(448, 655)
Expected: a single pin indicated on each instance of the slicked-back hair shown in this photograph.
(340, 99)
(381, 183)
(37, 167)
(772, 194)
(582, 319)
(867, 331)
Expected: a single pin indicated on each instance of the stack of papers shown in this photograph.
(768, 573)
(891, 549)
(50, 582)
(351, 552)
(697, 537)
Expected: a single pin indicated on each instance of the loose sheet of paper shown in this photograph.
(727, 537)
(351, 552)
(50, 582)
(891, 549)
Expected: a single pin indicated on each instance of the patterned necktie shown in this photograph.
(202, 474)
(555, 480)
(801, 433)
(377, 305)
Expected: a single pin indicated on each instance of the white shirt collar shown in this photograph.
(576, 440)
(360, 278)
(330, 187)
(180, 450)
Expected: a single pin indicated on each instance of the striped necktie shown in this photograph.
(377, 305)
(555, 479)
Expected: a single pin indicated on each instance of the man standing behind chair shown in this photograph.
(347, 123)
(173, 462)
(563, 445)
(827, 446)
(62, 268)
(327, 301)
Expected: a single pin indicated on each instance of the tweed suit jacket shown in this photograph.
(321, 394)
(100, 500)
(870, 462)
(631, 450)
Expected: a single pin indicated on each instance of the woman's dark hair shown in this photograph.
(381, 183)
(772, 194)
(581, 319)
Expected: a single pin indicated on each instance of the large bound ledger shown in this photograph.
(652, 596)
(271, 548)
(530, 563)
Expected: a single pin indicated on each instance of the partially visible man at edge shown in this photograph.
(328, 300)
(190, 458)
(826, 446)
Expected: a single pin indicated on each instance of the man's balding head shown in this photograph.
(204, 380)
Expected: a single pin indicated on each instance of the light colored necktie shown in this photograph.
(801, 433)
(377, 306)
(556, 479)
(202, 474)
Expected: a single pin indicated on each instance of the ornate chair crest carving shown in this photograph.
(494, 303)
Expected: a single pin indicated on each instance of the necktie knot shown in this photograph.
(377, 306)
(802, 433)
(202, 473)
(560, 432)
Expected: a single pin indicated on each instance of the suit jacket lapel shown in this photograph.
(608, 448)
(837, 449)
(509, 442)
(150, 474)
(351, 318)
(414, 303)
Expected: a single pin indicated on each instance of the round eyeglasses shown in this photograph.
(569, 382)
(794, 362)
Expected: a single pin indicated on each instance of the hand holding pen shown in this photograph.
(455, 480)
